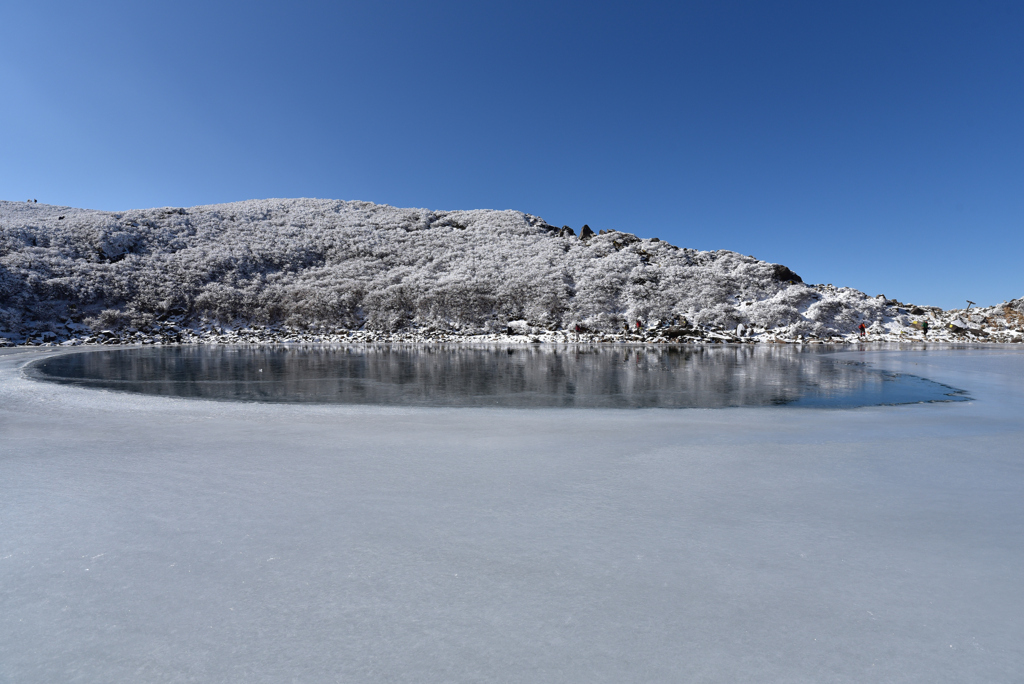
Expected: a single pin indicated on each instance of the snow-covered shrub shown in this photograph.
(520, 327)
(391, 308)
(109, 319)
(825, 310)
(333, 264)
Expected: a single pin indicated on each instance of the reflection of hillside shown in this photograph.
(442, 375)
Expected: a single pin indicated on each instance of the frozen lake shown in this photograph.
(163, 539)
(574, 376)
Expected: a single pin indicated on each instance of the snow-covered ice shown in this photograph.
(170, 540)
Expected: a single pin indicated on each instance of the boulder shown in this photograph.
(586, 233)
(677, 331)
(784, 274)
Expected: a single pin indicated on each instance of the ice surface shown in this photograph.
(170, 540)
(523, 376)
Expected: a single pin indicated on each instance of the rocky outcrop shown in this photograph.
(784, 274)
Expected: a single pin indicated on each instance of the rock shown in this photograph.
(566, 231)
(784, 274)
(586, 233)
(624, 239)
(917, 311)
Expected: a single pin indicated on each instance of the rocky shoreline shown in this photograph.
(1000, 325)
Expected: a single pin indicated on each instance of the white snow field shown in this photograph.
(145, 539)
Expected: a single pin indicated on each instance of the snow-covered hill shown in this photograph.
(293, 268)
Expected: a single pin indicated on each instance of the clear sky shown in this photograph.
(878, 145)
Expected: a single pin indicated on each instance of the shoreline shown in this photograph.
(264, 336)
(489, 340)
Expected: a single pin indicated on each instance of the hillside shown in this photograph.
(305, 268)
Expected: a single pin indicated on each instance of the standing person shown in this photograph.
(638, 326)
(863, 330)
(924, 327)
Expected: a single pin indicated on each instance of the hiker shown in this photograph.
(924, 327)
(638, 326)
(863, 330)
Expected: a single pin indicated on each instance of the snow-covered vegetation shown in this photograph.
(303, 268)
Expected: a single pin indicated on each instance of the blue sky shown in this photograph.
(878, 145)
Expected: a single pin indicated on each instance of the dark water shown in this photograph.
(444, 375)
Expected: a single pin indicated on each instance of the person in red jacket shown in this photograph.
(863, 330)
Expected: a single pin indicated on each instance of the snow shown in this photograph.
(168, 540)
(292, 267)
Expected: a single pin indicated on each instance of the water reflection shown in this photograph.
(451, 375)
